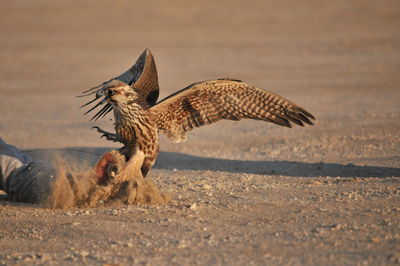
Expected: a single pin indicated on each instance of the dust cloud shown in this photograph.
(120, 183)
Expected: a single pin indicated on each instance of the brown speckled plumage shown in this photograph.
(207, 102)
(137, 122)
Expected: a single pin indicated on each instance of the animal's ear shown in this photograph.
(143, 77)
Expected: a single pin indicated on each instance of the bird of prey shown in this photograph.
(141, 77)
(138, 121)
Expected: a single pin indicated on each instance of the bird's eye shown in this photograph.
(110, 93)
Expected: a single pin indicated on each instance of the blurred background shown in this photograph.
(317, 53)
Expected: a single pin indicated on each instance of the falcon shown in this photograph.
(142, 77)
(139, 120)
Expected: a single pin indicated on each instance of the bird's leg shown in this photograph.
(126, 151)
(109, 136)
(129, 152)
(147, 165)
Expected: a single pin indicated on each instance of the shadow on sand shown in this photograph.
(180, 161)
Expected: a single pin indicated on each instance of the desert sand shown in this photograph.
(243, 193)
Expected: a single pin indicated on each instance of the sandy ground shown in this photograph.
(243, 193)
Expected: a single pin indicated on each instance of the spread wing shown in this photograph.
(142, 77)
(207, 102)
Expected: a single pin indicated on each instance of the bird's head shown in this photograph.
(119, 93)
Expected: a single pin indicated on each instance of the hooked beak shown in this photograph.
(106, 93)
(100, 93)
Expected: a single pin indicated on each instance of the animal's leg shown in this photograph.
(148, 163)
(109, 136)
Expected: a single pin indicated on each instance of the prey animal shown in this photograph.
(138, 121)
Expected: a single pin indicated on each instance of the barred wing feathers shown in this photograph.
(207, 102)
